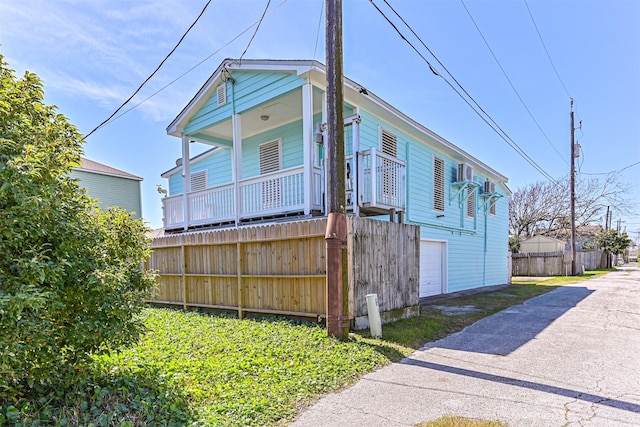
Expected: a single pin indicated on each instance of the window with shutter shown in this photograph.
(269, 157)
(492, 206)
(471, 201)
(270, 161)
(221, 93)
(438, 184)
(389, 146)
(199, 180)
(389, 143)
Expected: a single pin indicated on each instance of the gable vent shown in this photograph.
(221, 94)
(389, 143)
(269, 157)
(199, 180)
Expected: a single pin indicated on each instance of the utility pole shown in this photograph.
(336, 233)
(573, 194)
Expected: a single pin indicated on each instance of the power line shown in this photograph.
(511, 83)
(192, 68)
(493, 125)
(256, 31)
(612, 172)
(153, 73)
(315, 48)
(545, 49)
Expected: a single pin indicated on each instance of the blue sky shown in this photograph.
(92, 55)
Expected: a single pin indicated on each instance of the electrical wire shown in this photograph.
(486, 117)
(315, 48)
(546, 50)
(614, 172)
(192, 68)
(153, 73)
(511, 83)
(256, 31)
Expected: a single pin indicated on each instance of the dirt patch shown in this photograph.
(456, 310)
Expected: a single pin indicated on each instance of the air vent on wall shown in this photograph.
(221, 94)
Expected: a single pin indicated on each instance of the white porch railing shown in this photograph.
(318, 189)
(381, 180)
(272, 194)
(212, 203)
(173, 214)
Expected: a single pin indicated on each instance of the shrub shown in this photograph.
(71, 281)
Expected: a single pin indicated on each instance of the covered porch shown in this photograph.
(267, 156)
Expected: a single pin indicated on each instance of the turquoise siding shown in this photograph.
(111, 190)
(475, 258)
(476, 248)
(218, 165)
(291, 148)
(250, 90)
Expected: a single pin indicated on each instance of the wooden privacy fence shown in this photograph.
(278, 268)
(384, 259)
(555, 263)
(281, 268)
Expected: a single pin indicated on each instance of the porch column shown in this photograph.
(355, 195)
(325, 188)
(236, 165)
(186, 175)
(307, 144)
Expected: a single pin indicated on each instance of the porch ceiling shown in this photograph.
(272, 114)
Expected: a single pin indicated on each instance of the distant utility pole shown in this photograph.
(573, 194)
(336, 233)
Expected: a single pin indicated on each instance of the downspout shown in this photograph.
(484, 256)
(236, 160)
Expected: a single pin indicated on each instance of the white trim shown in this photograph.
(236, 162)
(307, 145)
(186, 180)
(193, 160)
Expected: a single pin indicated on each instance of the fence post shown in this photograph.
(239, 273)
(184, 277)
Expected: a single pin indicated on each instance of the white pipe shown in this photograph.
(375, 325)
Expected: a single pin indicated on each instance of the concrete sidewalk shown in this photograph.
(567, 358)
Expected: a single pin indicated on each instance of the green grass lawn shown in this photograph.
(217, 370)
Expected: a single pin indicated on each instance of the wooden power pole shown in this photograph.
(336, 233)
(573, 194)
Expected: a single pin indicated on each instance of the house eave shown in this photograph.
(300, 67)
(313, 71)
(194, 159)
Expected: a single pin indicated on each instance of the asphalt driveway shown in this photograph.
(570, 357)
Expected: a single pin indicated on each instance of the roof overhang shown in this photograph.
(354, 94)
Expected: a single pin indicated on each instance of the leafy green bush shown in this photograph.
(71, 281)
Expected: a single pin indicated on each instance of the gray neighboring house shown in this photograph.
(111, 186)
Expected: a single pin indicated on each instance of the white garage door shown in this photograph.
(432, 268)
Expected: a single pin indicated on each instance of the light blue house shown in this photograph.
(111, 186)
(264, 120)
